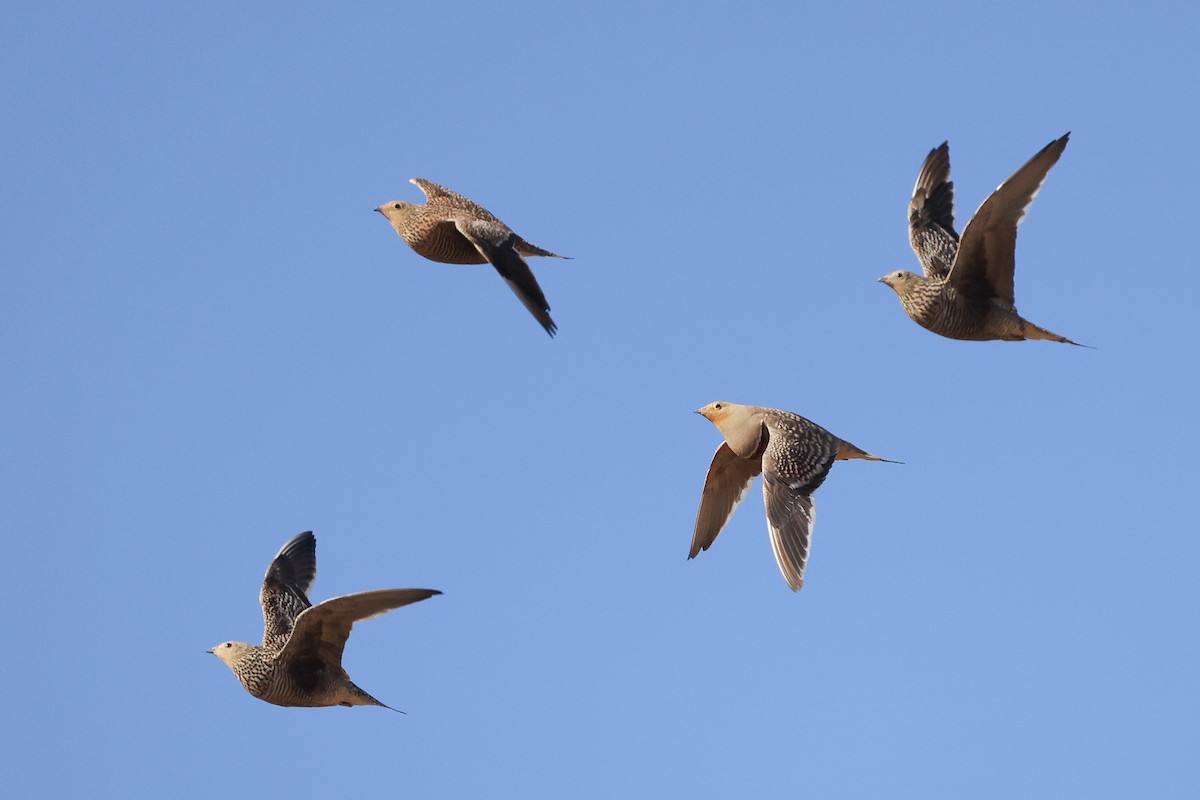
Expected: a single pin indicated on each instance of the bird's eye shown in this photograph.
(396, 206)
(229, 644)
(716, 406)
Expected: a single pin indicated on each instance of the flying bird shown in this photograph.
(453, 229)
(967, 289)
(300, 660)
(793, 454)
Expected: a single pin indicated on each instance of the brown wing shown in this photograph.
(931, 214)
(796, 463)
(321, 631)
(729, 477)
(433, 190)
(447, 201)
(498, 245)
(790, 519)
(284, 593)
(986, 258)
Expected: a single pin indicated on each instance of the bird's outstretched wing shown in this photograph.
(986, 258)
(434, 191)
(793, 468)
(931, 214)
(729, 477)
(498, 245)
(284, 593)
(321, 631)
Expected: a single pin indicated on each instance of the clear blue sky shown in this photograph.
(211, 343)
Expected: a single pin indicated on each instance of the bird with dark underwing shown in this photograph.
(453, 229)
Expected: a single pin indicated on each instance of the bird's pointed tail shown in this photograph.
(1032, 331)
(527, 249)
(847, 450)
(360, 698)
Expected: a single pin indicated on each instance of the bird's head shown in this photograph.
(740, 425)
(714, 411)
(900, 280)
(396, 210)
(231, 652)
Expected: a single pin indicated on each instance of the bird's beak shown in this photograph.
(699, 411)
(380, 210)
(883, 280)
(210, 651)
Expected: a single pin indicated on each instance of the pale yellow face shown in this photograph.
(740, 425)
(897, 278)
(396, 209)
(714, 412)
(231, 652)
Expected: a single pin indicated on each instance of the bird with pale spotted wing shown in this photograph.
(794, 456)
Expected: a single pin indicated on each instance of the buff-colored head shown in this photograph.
(741, 425)
(397, 210)
(232, 652)
(900, 280)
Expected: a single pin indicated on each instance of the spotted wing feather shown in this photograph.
(793, 468)
(284, 594)
(931, 214)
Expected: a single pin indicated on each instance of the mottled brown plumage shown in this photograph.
(300, 660)
(453, 229)
(794, 456)
(967, 289)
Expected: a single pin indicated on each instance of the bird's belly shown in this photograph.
(951, 315)
(291, 696)
(446, 245)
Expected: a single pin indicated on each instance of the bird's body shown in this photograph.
(937, 305)
(300, 660)
(794, 456)
(966, 291)
(310, 683)
(452, 229)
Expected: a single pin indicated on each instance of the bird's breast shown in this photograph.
(443, 243)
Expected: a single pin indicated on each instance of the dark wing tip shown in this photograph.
(1061, 141)
(295, 564)
(935, 169)
(1057, 146)
(306, 539)
(300, 547)
(414, 596)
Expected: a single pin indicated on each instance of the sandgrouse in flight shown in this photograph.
(300, 661)
(967, 289)
(793, 454)
(453, 229)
